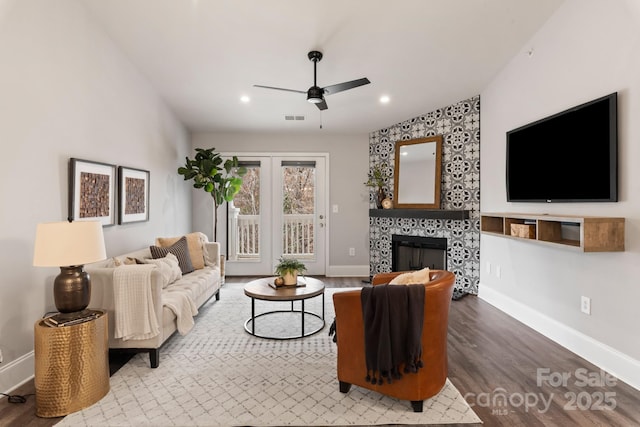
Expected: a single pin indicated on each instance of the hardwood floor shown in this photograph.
(492, 355)
(510, 374)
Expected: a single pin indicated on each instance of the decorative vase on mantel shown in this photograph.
(380, 196)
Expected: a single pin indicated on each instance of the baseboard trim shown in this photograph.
(17, 372)
(609, 359)
(348, 271)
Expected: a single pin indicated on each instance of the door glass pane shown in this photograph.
(298, 209)
(245, 218)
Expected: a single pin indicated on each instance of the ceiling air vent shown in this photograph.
(292, 117)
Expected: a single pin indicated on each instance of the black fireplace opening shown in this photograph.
(417, 252)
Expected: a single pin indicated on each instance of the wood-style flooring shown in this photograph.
(510, 374)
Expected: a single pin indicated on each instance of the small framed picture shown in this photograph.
(133, 196)
(92, 187)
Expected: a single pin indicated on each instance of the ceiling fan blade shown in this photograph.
(322, 105)
(329, 90)
(280, 88)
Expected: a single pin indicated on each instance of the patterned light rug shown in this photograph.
(219, 375)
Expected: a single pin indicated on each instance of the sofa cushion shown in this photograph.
(180, 250)
(197, 284)
(194, 241)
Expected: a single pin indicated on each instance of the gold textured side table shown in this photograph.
(72, 366)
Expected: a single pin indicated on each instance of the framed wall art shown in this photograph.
(92, 191)
(133, 195)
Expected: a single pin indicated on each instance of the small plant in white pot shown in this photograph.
(288, 269)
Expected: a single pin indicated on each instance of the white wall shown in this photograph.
(68, 92)
(587, 49)
(348, 159)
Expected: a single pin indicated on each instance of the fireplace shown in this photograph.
(417, 252)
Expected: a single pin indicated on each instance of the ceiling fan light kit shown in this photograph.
(315, 94)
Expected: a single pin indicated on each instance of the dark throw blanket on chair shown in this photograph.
(393, 316)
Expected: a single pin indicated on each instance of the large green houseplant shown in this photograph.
(220, 178)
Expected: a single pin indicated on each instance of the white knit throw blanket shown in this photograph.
(135, 316)
(180, 302)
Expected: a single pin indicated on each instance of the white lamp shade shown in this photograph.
(63, 244)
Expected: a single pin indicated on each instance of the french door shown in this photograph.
(280, 212)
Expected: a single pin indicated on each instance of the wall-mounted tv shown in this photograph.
(571, 156)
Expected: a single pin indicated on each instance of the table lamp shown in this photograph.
(69, 245)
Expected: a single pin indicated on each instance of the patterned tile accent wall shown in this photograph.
(459, 125)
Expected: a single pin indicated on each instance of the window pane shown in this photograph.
(247, 227)
(298, 209)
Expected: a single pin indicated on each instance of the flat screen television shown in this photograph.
(571, 156)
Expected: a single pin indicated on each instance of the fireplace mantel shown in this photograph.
(420, 213)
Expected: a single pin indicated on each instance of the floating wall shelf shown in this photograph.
(582, 233)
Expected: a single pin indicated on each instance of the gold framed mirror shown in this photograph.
(417, 173)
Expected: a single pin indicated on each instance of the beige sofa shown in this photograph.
(108, 292)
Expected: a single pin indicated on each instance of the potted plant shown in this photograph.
(288, 269)
(378, 177)
(221, 179)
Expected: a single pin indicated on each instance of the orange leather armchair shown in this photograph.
(415, 387)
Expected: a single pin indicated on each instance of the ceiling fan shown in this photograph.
(315, 94)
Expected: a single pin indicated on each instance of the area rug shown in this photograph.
(219, 375)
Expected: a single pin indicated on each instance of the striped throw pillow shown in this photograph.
(194, 242)
(180, 249)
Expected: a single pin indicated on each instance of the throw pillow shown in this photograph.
(402, 279)
(422, 276)
(180, 250)
(169, 268)
(117, 262)
(172, 260)
(194, 242)
(412, 277)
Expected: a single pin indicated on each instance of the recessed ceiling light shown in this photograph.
(384, 99)
(245, 99)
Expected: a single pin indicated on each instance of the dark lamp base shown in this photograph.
(72, 290)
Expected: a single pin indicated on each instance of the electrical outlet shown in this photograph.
(335, 208)
(585, 305)
(498, 271)
(352, 251)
